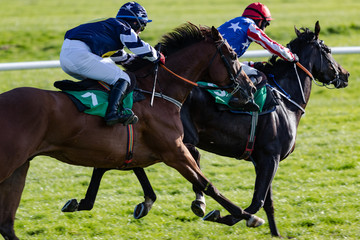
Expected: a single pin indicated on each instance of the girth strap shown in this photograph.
(130, 144)
(251, 139)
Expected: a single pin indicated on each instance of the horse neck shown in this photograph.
(190, 63)
(307, 54)
(296, 84)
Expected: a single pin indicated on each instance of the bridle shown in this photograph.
(336, 81)
(324, 51)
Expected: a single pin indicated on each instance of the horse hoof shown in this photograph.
(70, 206)
(212, 216)
(198, 208)
(140, 211)
(254, 221)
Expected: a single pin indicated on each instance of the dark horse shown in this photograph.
(226, 133)
(39, 122)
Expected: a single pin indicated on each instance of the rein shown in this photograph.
(194, 83)
(305, 70)
(234, 85)
(178, 76)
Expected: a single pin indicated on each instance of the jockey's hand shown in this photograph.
(249, 63)
(161, 58)
(259, 66)
(128, 60)
(296, 58)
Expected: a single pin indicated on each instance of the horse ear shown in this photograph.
(297, 31)
(317, 29)
(215, 34)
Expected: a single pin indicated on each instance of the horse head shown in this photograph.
(324, 67)
(229, 67)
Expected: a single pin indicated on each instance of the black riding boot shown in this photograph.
(116, 96)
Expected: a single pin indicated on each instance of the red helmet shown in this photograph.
(257, 11)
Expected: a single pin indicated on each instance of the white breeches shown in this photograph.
(250, 71)
(77, 60)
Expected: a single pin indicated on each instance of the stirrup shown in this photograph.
(125, 119)
(131, 120)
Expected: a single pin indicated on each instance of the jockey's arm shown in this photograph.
(259, 36)
(140, 48)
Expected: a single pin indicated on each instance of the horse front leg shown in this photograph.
(142, 209)
(88, 202)
(10, 194)
(198, 206)
(265, 169)
(265, 173)
(270, 210)
(188, 168)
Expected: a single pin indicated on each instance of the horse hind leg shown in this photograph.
(141, 210)
(88, 202)
(10, 195)
(188, 168)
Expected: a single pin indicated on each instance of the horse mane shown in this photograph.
(181, 37)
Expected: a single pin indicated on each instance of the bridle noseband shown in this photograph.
(336, 81)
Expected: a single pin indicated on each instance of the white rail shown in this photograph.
(248, 54)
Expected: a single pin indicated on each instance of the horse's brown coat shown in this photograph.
(39, 122)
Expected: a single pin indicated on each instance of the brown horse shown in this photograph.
(39, 122)
(226, 133)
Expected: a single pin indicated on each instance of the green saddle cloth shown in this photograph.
(97, 101)
(223, 97)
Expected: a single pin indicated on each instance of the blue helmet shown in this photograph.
(134, 11)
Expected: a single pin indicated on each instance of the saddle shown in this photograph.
(267, 105)
(70, 88)
(91, 84)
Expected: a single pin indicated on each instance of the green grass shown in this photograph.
(316, 189)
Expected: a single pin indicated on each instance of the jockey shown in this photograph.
(85, 46)
(240, 32)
